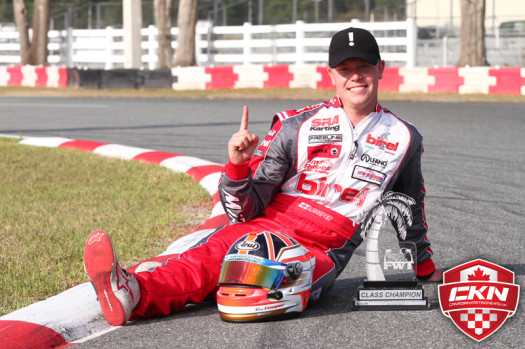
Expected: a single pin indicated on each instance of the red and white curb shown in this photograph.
(75, 314)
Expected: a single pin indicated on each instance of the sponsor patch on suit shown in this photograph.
(368, 175)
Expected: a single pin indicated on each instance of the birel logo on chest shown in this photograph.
(382, 144)
(320, 187)
(325, 124)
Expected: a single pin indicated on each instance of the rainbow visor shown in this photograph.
(251, 270)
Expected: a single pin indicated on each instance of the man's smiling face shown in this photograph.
(356, 84)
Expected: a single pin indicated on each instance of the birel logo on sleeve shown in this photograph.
(330, 151)
(478, 297)
(381, 144)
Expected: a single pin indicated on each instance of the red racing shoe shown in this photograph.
(117, 290)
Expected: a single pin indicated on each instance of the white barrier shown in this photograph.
(477, 80)
(415, 80)
(250, 76)
(190, 78)
(299, 43)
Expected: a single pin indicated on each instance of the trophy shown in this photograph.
(390, 270)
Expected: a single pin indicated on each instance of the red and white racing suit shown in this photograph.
(314, 177)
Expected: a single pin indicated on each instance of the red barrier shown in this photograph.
(221, 77)
(447, 80)
(508, 81)
(62, 77)
(15, 75)
(278, 76)
(41, 76)
(391, 80)
(326, 80)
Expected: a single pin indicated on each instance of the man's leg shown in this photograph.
(117, 290)
(189, 278)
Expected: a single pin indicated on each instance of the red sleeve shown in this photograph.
(237, 172)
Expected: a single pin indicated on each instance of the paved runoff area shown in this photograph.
(473, 166)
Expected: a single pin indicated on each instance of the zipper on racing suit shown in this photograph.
(347, 165)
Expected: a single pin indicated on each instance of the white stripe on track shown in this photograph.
(119, 151)
(184, 163)
(51, 142)
(211, 182)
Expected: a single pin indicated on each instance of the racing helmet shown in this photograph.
(264, 275)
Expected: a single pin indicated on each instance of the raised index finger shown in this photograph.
(244, 120)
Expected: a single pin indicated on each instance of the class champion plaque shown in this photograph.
(390, 295)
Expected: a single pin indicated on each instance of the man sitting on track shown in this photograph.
(314, 177)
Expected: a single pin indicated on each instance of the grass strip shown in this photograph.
(253, 93)
(52, 199)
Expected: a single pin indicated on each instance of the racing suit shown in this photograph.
(314, 177)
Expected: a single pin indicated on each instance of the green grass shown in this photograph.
(52, 199)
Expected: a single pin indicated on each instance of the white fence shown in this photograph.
(299, 43)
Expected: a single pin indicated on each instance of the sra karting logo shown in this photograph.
(478, 297)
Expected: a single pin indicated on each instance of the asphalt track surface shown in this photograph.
(474, 165)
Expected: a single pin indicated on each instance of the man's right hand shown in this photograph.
(242, 144)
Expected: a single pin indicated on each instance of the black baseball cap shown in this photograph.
(353, 43)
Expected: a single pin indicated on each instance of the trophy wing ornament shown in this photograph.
(396, 207)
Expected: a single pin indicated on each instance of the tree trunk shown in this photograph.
(20, 12)
(33, 52)
(367, 10)
(38, 50)
(473, 51)
(163, 19)
(186, 21)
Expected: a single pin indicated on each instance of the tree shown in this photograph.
(186, 21)
(473, 51)
(368, 7)
(33, 52)
(163, 21)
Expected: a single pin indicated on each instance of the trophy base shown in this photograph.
(390, 295)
